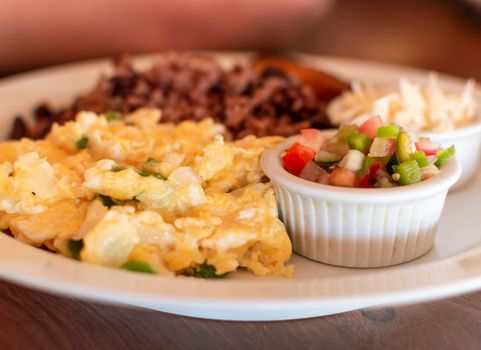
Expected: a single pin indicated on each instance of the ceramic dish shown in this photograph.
(467, 141)
(467, 138)
(358, 227)
(451, 267)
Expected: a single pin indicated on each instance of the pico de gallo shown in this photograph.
(369, 155)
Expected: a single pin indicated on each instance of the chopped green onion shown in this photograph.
(144, 172)
(444, 155)
(159, 176)
(106, 200)
(390, 131)
(138, 266)
(409, 172)
(148, 169)
(111, 116)
(359, 141)
(403, 147)
(204, 271)
(82, 142)
(117, 168)
(420, 158)
(75, 246)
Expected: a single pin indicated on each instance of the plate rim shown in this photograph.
(316, 296)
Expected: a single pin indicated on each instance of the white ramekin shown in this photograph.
(467, 141)
(359, 227)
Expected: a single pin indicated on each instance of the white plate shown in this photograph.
(453, 266)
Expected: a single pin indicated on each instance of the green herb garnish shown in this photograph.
(117, 168)
(75, 246)
(138, 266)
(159, 176)
(82, 142)
(111, 116)
(204, 271)
(143, 172)
(106, 200)
(148, 169)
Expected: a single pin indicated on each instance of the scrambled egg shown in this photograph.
(145, 196)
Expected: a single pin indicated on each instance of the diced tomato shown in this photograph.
(344, 177)
(311, 138)
(297, 157)
(369, 127)
(366, 179)
(429, 148)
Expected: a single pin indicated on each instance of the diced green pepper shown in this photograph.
(75, 246)
(138, 266)
(444, 155)
(339, 147)
(390, 131)
(420, 158)
(111, 116)
(403, 147)
(366, 165)
(409, 172)
(324, 157)
(359, 142)
(82, 142)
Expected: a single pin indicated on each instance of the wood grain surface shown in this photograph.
(35, 320)
(441, 35)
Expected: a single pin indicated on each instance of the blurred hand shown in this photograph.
(35, 33)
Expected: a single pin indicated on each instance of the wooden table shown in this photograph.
(31, 319)
(441, 35)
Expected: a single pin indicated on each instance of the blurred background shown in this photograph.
(443, 35)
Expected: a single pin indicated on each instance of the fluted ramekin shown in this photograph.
(359, 227)
(467, 140)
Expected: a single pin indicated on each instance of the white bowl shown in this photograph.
(359, 227)
(467, 141)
